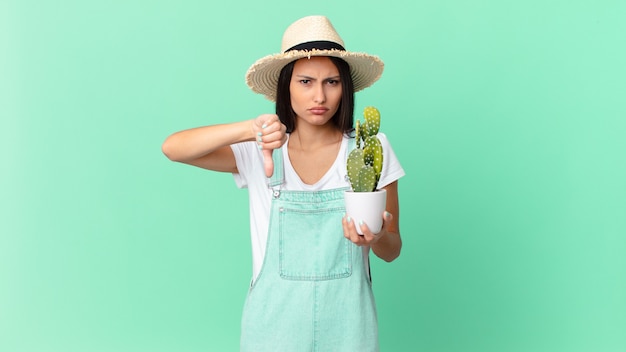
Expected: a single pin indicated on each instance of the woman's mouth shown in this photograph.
(318, 110)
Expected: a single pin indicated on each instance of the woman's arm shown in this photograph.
(208, 147)
(387, 243)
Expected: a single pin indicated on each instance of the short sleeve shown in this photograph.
(392, 170)
(249, 162)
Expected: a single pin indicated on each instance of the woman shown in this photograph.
(311, 288)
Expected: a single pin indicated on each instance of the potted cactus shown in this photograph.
(364, 202)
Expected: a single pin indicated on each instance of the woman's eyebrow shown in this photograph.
(312, 79)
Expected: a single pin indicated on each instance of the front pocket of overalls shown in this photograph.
(312, 246)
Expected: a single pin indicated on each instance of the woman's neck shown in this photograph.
(306, 138)
(312, 152)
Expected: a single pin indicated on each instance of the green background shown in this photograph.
(508, 117)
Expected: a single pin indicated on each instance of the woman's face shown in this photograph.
(315, 90)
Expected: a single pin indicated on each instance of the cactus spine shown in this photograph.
(365, 162)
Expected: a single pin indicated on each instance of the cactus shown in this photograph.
(365, 162)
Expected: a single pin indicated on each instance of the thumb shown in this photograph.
(268, 162)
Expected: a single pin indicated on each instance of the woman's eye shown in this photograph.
(305, 81)
(333, 82)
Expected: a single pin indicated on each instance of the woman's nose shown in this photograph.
(319, 96)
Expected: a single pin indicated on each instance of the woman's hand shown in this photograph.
(387, 243)
(368, 238)
(270, 134)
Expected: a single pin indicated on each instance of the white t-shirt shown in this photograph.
(252, 176)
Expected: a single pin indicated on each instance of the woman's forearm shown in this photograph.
(388, 247)
(191, 144)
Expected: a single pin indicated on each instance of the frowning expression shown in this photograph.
(315, 90)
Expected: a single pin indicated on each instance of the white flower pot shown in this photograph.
(367, 207)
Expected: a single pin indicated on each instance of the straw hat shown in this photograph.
(311, 36)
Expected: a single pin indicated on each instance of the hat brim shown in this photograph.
(262, 76)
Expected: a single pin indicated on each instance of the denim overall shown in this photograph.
(313, 292)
